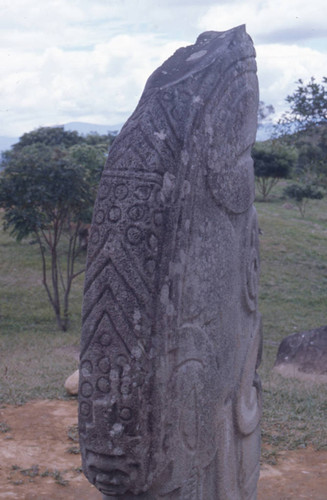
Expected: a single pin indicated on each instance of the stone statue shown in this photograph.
(169, 398)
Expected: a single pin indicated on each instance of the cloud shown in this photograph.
(280, 67)
(280, 31)
(88, 61)
(270, 20)
(102, 83)
(80, 60)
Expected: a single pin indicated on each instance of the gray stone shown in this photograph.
(303, 354)
(71, 383)
(169, 398)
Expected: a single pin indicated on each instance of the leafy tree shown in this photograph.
(95, 139)
(92, 157)
(308, 106)
(50, 136)
(304, 126)
(302, 193)
(270, 165)
(311, 165)
(48, 190)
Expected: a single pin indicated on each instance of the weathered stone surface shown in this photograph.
(303, 353)
(71, 383)
(169, 398)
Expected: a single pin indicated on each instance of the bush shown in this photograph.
(271, 165)
(302, 193)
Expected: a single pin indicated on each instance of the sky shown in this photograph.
(88, 60)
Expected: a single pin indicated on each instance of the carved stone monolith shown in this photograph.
(169, 398)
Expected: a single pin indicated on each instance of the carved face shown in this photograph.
(114, 438)
(111, 474)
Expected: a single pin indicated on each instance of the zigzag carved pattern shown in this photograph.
(108, 289)
(106, 303)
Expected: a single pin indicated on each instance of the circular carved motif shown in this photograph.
(86, 367)
(125, 387)
(136, 212)
(121, 191)
(95, 236)
(125, 413)
(143, 192)
(103, 190)
(105, 339)
(134, 235)
(103, 384)
(104, 365)
(114, 214)
(99, 216)
(249, 394)
(85, 408)
(86, 389)
(121, 360)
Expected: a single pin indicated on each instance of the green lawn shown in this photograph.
(36, 358)
(293, 298)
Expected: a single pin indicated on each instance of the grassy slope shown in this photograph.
(34, 362)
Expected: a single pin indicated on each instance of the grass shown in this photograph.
(35, 472)
(36, 358)
(293, 290)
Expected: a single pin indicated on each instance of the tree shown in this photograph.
(48, 191)
(270, 165)
(49, 136)
(311, 165)
(304, 125)
(302, 193)
(308, 106)
(95, 139)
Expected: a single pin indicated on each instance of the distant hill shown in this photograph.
(80, 127)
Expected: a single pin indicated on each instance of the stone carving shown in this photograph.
(169, 399)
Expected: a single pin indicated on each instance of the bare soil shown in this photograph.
(39, 459)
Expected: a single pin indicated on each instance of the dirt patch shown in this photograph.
(292, 371)
(39, 459)
(38, 453)
(298, 474)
